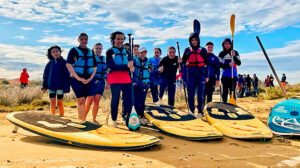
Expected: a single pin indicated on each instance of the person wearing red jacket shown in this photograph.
(24, 78)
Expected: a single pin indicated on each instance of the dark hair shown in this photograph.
(83, 35)
(113, 36)
(97, 44)
(136, 45)
(172, 47)
(127, 44)
(50, 57)
(209, 43)
(158, 49)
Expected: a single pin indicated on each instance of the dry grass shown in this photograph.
(14, 95)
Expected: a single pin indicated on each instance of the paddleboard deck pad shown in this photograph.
(179, 124)
(87, 134)
(235, 122)
(284, 119)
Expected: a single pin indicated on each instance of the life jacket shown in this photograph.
(142, 71)
(120, 58)
(195, 59)
(84, 65)
(101, 73)
(119, 77)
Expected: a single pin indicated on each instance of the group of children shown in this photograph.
(89, 73)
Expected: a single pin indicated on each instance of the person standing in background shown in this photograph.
(213, 73)
(255, 85)
(154, 74)
(24, 78)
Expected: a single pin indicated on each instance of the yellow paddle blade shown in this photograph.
(232, 24)
(232, 100)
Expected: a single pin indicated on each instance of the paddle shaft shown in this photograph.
(232, 28)
(131, 73)
(184, 86)
(271, 65)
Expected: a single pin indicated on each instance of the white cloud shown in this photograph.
(7, 23)
(16, 57)
(159, 43)
(27, 28)
(47, 31)
(20, 37)
(214, 15)
(291, 49)
(55, 40)
(100, 37)
(284, 59)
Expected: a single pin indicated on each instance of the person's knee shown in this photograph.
(60, 97)
(81, 101)
(52, 100)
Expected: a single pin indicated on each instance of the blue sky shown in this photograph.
(28, 28)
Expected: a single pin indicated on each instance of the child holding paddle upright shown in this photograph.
(100, 81)
(196, 61)
(56, 79)
(141, 82)
(120, 65)
(229, 60)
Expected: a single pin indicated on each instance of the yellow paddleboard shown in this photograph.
(235, 122)
(87, 134)
(180, 124)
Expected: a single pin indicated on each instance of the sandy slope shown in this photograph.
(28, 150)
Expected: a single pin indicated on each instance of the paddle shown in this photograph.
(133, 123)
(271, 65)
(232, 27)
(184, 85)
(197, 26)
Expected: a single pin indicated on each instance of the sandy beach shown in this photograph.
(25, 149)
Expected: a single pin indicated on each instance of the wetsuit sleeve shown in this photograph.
(217, 68)
(67, 81)
(71, 56)
(161, 62)
(46, 76)
(223, 63)
(206, 61)
(185, 56)
(111, 64)
(237, 59)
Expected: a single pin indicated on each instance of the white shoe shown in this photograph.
(143, 121)
(193, 114)
(114, 124)
(200, 115)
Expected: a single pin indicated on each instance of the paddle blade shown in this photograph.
(133, 121)
(197, 26)
(232, 24)
(232, 100)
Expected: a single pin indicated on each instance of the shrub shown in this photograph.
(14, 95)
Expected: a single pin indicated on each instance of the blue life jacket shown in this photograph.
(84, 65)
(141, 72)
(101, 73)
(120, 58)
